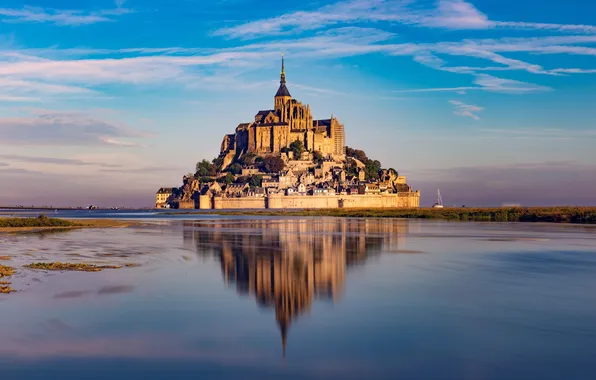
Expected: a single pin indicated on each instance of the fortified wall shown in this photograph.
(280, 201)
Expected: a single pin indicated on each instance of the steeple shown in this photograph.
(283, 90)
(283, 70)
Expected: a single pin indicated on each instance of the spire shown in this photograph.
(283, 90)
(283, 70)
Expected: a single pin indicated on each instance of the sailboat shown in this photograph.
(439, 203)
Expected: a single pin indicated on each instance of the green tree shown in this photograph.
(372, 169)
(273, 164)
(217, 164)
(255, 181)
(205, 168)
(352, 169)
(235, 168)
(298, 148)
(229, 178)
(360, 155)
(317, 157)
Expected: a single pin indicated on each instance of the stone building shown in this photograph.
(164, 196)
(275, 129)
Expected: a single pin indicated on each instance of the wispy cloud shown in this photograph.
(64, 128)
(55, 161)
(60, 16)
(444, 14)
(485, 82)
(467, 110)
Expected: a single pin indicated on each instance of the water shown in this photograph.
(295, 298)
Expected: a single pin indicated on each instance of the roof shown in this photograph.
(322, 122)
(283, 91)
(265, 112)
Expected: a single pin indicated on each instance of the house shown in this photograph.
(259, 192)
(250, 170)
(236, 189)
(369, 188)
(163, 196)
(270, 183)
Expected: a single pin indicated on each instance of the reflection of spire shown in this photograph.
(287, 265)
(284, 337)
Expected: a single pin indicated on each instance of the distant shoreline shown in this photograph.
(573, 215)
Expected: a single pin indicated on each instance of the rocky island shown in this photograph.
(285, 159)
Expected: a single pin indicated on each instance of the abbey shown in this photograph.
(275, 129)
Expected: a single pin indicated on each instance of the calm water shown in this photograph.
(297, 298)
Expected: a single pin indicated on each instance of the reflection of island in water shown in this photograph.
(286, 264)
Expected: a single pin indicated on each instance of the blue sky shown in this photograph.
(493, 102)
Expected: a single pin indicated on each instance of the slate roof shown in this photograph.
(283, 91)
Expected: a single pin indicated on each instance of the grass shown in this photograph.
(577, 215)
(78, 267)
(43, 223)
(5, 285)
(6, 271)
(6, 289)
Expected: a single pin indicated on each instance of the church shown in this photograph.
(275, 129)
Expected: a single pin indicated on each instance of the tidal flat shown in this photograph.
(299, 297)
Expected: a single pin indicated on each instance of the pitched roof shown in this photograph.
(283, 91)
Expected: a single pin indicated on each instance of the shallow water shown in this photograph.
(221, 297)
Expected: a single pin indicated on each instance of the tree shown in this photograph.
(255, 181)
(360, 155)
(298, 148)
(317, 157)
(229, 178)
(205, 168)
(372, 169)
(235, 168)
(273, 164)
(217, 164)
(352, 169)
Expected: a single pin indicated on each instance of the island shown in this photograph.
(286, 159)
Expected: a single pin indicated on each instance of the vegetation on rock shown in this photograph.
(273, 164)
(297, 147)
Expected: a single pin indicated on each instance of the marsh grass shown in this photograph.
(577, 215)
(77, 267)
(6, 271)
(43, 224)
(6, 289)
(40, 221)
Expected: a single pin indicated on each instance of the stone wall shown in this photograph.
(221, 203)
(400, 200)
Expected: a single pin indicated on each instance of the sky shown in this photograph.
(102, 102)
